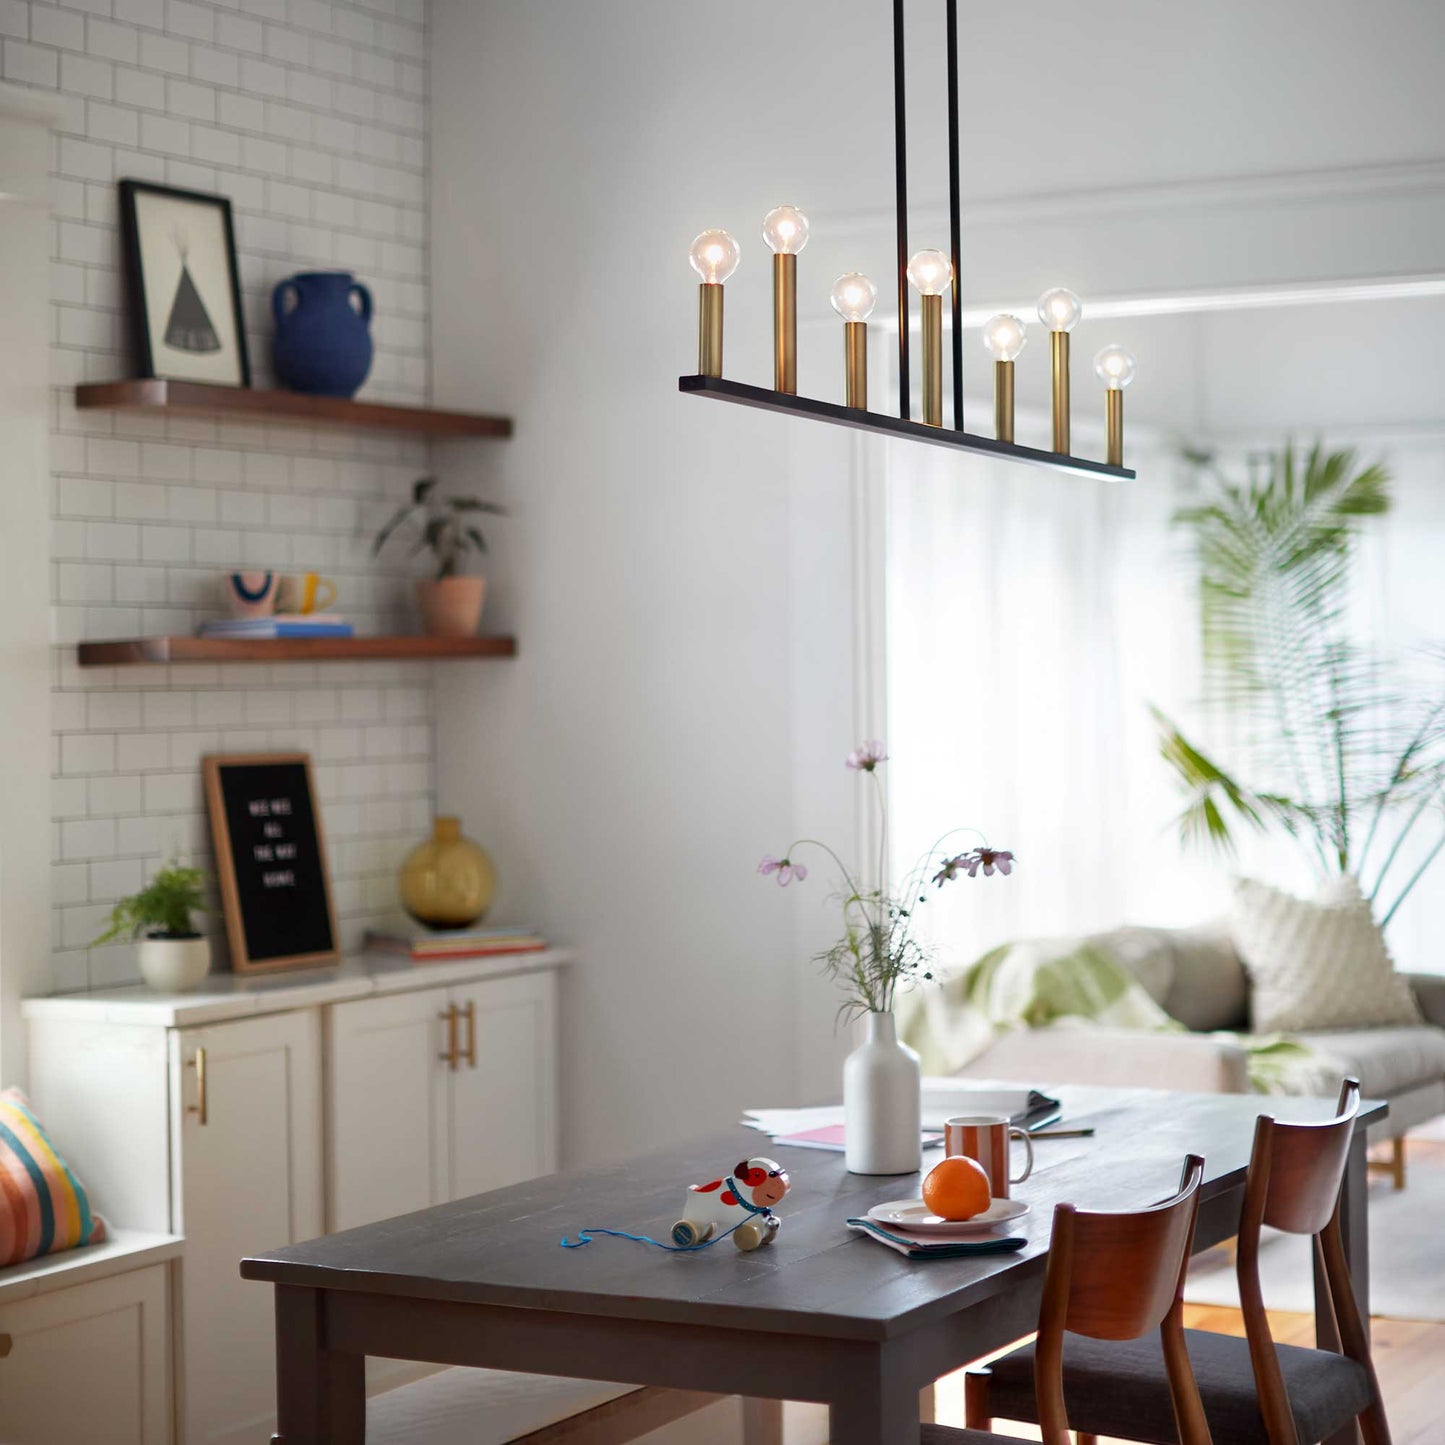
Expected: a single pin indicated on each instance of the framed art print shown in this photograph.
(185, 290)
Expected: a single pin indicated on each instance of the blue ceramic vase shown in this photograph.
(323, 342)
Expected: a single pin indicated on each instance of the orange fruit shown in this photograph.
(956, 1188)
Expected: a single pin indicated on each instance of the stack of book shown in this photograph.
(315, 624)
(432, 945)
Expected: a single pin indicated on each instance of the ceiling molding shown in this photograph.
(1337, 185)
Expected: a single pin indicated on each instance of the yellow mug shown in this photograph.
(305, 592)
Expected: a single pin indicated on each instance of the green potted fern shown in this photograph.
(173, 956)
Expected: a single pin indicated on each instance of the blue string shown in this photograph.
(584, 1236)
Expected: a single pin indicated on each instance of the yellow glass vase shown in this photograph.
(448, 881)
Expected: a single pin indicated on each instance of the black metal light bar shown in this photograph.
(900, 174)
(765, 399)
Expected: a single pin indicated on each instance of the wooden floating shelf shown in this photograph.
(892, 426)
(239, 403)
(132, 651)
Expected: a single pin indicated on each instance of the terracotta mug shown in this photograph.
(304, 592)
(984, 1138)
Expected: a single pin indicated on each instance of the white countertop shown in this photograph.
(231, 995)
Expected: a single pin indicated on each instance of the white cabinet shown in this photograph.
(503, 1118)
(246, 1115)
(259, 1112)
(440, 1094)
(91, 1363)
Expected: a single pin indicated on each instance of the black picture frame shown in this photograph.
(190, 308)
(271, 861)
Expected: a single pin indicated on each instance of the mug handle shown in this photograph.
(1023, 1134)
(278, 300)
(320, 603)
(357, 289)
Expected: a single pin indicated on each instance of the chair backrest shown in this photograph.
(1294, 1184)
(1296, 1170)
(1116, 1277)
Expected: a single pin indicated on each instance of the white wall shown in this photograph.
(684, 577)
(312, 117)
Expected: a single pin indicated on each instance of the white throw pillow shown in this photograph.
(1317, 965)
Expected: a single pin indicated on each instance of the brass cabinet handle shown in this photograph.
(6, 1345)
(469, 1012)
(450, 1057)
(200, 1107)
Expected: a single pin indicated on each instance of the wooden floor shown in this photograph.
(1409, 1354)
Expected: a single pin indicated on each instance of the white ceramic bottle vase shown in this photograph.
(882, 1103)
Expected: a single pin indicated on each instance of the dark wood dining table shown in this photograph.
(821, 1314)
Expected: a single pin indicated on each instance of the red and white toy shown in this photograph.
(744, 1199)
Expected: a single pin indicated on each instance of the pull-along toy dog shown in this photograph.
(742, 1201)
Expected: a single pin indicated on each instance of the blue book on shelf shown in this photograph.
(265, 627)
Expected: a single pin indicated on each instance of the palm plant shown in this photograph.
(1327, 750)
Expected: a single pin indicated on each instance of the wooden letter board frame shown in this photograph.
(213, 766)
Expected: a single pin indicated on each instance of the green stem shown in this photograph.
(1399, 839)
(1414, 879)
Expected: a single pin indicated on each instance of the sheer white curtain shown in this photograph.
(1032, 617)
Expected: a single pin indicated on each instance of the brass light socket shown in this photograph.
(709, 329)
(1059, 351)
(1003, 400)
(932, 360)
(785, 324)
(1114, 416)
(855, 352)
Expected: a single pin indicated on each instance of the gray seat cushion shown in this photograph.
(1119, 1387)
(948, 1435)
(1385, 1060)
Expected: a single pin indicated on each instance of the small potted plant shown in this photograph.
(173, 957)
(451, 604)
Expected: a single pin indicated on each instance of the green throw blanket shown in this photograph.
(1025, 987)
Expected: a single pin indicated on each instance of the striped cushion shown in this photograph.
(43, 1208)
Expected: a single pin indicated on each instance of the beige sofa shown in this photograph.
(1196, 976)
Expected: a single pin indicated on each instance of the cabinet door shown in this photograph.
(89, 1363)
(503, 1096)
(250, 1178)
(387, 1103)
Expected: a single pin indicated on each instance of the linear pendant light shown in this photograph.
(714, 257)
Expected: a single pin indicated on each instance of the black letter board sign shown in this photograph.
(271, 859)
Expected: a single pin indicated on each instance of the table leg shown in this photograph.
(876, 1402)
(320, 1393)
(1354, 1231)
(762, 1421)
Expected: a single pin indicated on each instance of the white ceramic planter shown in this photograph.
(174, 965)
(882, 1103)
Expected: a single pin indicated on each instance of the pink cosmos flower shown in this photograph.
(866, 756)
(785, 868)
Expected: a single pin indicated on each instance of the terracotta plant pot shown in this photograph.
(451, 606)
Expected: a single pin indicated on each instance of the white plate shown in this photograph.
(915, 1215)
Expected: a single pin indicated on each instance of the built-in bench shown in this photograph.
(98, 1314)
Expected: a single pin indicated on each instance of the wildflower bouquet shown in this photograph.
(878, 953)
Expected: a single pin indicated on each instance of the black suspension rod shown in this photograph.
(954, 224)
(900, 164)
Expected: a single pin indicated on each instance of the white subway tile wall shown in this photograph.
(311, 115)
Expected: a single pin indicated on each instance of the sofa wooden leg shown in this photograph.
(977, 1412)
(1397, 1161)
(1082, 1439)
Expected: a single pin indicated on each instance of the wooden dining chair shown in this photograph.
(1254, 1391)
(1112, 1277)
